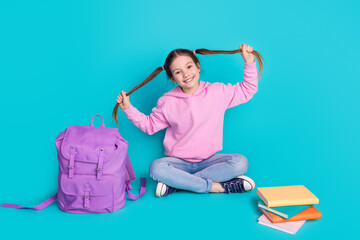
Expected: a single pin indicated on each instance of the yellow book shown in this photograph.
(287, 196)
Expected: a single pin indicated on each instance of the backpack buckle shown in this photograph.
(86, 201)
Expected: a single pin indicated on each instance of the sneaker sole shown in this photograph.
(250, 181)
(159, 189)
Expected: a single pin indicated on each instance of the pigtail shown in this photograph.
(148, 79)
(168, 61)
(258, 56)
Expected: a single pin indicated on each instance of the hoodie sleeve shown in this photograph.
(242, 91)
(148, 124)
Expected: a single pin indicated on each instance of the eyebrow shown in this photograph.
(185, 65)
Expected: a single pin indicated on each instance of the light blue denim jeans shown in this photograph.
(199, 176)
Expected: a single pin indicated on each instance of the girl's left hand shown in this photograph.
(247, 53)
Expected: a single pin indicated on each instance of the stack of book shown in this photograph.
(287, 208)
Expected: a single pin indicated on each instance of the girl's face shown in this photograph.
(185, 73)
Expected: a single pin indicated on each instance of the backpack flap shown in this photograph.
(89, 150)
(85, 142)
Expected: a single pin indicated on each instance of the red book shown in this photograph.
(307, 214)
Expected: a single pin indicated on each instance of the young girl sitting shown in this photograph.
(193, 113)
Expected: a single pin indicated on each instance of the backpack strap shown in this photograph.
(71, 162)
(100, 165)
(102, 124)
(142, 190)
(130, 176)
(41, 206)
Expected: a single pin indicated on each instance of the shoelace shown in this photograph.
(234, 186)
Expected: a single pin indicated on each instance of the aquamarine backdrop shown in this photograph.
(61, 62)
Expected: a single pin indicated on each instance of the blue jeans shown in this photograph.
(199, 176)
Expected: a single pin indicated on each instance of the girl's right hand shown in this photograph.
(123, 100)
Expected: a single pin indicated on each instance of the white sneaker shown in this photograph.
(162, 189)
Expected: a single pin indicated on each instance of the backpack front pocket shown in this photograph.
(85, 194)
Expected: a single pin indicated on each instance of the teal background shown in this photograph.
(61, 62)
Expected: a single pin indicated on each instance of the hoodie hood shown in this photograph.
(177, 92)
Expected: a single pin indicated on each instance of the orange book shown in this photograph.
(307, 214)
(286, 196)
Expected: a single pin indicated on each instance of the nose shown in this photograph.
(186, 74)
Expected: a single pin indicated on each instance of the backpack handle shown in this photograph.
(102, 124)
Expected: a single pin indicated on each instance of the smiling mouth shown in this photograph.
(189, 80)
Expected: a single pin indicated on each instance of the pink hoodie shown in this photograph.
(195, 122)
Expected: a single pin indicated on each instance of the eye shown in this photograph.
(177, 73)
(190, 66)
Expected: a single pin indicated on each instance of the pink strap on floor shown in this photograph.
(37, 208)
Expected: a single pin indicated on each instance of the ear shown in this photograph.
(198, 65)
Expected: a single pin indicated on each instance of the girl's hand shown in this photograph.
(123, 100)
(246, 53)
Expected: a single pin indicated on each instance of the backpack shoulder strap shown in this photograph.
(142, 190)
(130, 176)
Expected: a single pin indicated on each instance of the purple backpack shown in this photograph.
(94, 171)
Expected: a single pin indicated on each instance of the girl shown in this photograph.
(193, 113)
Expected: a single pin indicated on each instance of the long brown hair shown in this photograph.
(170, 58)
